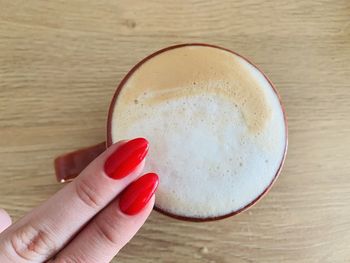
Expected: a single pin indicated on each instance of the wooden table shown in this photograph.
(60, 62)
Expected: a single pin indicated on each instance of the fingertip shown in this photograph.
(138, 194)
(124, 159)
(151, 203)
(149, 207)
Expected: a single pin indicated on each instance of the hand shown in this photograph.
(91, 218)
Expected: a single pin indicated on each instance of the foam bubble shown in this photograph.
(210, 160)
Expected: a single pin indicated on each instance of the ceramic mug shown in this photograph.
(70, 165)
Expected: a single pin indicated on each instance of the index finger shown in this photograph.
(44, 231)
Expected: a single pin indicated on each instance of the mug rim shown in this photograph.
(109, 141)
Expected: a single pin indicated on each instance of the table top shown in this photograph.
(60, 62)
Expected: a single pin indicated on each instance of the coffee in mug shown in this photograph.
(215, 124)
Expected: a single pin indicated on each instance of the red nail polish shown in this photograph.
(126, 158)
(135, 197)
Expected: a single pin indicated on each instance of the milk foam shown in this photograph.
(209, 159)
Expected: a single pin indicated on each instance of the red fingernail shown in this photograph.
(135, 197)
(126, 158)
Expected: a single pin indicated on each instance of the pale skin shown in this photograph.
(80, 223)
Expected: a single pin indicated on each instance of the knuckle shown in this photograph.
(107, 231)
(69, 259)
(88, 194)
(31, 243)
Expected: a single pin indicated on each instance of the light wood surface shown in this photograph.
(60, 62)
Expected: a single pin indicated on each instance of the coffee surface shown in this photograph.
(215, 126)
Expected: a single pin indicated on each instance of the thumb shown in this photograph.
(5, 220)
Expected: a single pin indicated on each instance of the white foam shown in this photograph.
(209, 162)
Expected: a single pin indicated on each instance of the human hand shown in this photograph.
(91, 218)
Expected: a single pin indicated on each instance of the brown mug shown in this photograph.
(68, 166)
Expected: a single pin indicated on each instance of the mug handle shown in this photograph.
(68, 166)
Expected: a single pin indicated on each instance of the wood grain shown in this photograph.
(60, 62)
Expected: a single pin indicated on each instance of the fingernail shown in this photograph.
(136, 196)
(126, 158)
